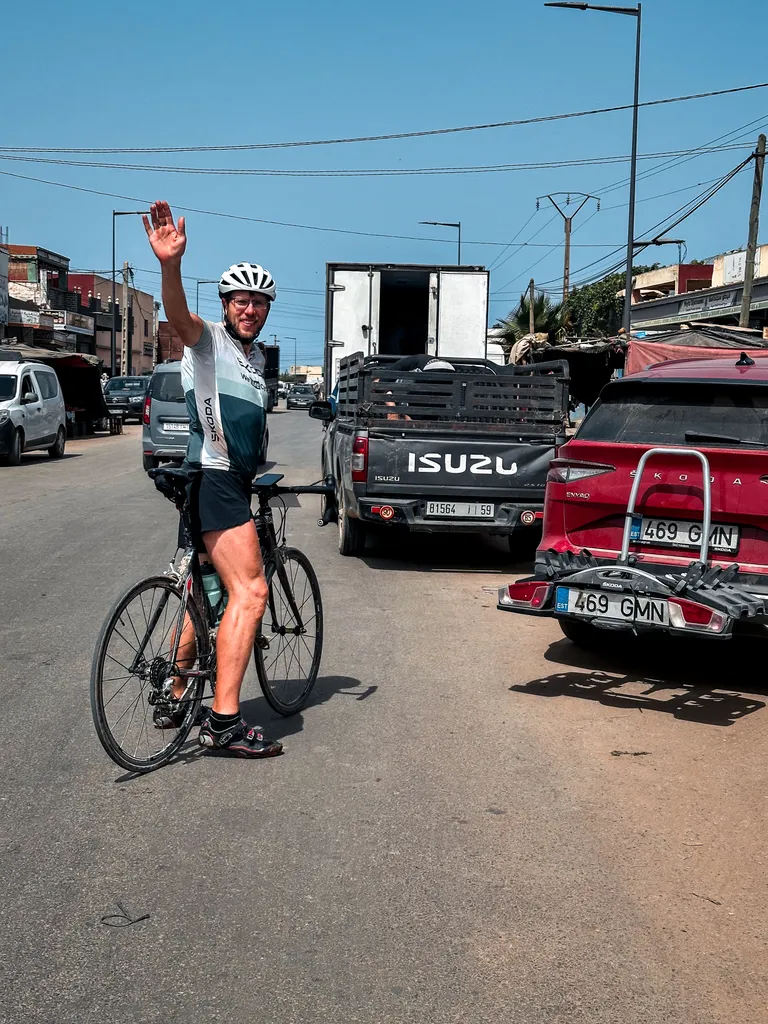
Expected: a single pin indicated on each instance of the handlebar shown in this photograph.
(327, 489)
(269, 485)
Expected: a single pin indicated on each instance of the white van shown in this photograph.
(32, 413)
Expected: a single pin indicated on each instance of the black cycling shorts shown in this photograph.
(219, 500)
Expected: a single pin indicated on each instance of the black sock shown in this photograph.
(221, 723)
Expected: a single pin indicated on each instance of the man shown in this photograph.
(226, 399)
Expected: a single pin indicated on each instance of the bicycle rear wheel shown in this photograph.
(290, 642)
(144, 641)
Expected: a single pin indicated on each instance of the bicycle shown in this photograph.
(162, 633)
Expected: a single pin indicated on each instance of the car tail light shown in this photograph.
(568, 471)
(147, 406)
(526, 594)
(359, 460)
(690, 615)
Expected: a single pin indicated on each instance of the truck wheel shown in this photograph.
(14, 452)
(351, 531)
(56, 450)
(149, 462)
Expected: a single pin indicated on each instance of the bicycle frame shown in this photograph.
(273, 562)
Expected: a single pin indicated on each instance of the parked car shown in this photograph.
(125, 396)
(165, 417)
(654, 518)
(166, 420)
(301, 396)
(32, 412)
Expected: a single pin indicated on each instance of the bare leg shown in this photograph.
(237, 557)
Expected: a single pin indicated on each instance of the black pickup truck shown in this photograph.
(463, 450)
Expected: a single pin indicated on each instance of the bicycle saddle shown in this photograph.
(172, 481)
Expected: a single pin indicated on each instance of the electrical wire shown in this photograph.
(388, 137)
(375, 172)
(686, 211)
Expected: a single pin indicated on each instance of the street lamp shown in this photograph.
(446, 224)
(113, 353)
(198, 282)
(634, 12)
(294, 349)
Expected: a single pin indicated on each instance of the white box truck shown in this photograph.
(392, 309)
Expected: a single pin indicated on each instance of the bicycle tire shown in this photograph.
(274, 689)
(107, 738)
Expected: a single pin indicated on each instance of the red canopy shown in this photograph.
(642, 353)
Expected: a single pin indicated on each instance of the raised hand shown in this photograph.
(168, 240)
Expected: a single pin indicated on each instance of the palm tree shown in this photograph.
(547, 319)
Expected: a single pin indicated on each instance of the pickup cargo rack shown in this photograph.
(476, 394)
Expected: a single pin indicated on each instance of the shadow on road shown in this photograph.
(326, 687)
(276, 726)
(678, 678)
(397, 550)
(42, 458)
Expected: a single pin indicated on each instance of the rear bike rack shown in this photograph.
(623, 558)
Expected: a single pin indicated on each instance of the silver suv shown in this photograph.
(166, 422)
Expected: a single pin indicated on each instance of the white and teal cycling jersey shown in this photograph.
(226, 400)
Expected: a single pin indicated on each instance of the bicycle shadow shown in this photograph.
(326, 687)
(683, 680)
(258, 711)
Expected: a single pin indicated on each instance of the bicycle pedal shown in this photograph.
(262, 642)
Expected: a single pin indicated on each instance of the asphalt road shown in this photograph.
(473, 821)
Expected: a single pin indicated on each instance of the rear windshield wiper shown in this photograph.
(695, 435)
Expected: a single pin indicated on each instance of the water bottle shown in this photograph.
(215, 593)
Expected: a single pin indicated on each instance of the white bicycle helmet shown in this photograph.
(248, 277)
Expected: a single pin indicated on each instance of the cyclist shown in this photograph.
(226, 398)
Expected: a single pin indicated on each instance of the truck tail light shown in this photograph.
(568, 471)
(690, 615)
(147, 407)
(359, 460)
(530, 594)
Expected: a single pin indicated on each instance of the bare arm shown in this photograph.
(168, 243)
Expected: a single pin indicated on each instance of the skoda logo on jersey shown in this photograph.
(208, 407)
(478, 465)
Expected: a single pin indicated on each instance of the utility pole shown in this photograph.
(155, 334)
(754, 224)
(125, 358)
(531, 300)
(568, 221)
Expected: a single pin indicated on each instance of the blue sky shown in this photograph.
(147, 75)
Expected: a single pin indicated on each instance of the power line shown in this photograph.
(372, 172)
(691, 207)
(383, 138)
(646, 174)
(243, 217)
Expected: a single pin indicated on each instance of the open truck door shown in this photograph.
(352, 321)
(462, 313)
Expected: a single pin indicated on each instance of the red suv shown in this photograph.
(655, 516)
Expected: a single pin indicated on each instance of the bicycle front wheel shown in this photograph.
(149, 641)
(290, 642)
